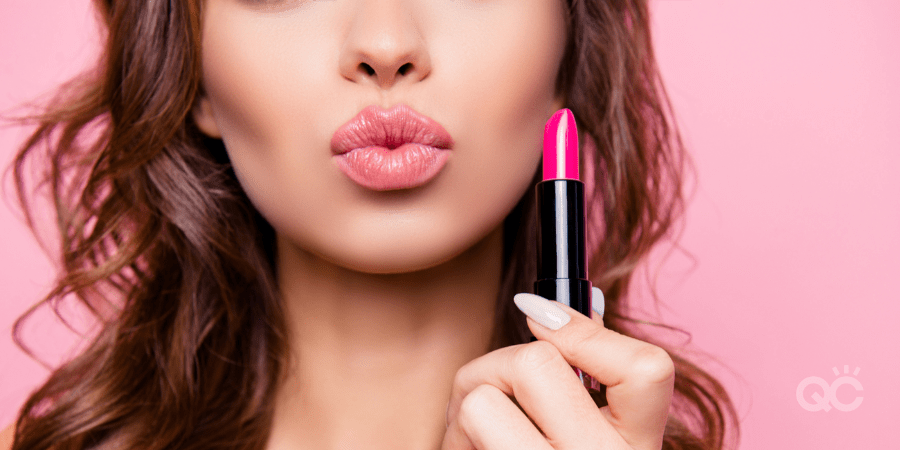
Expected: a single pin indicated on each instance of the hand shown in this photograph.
(639, 377)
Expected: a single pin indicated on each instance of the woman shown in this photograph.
(256, 294)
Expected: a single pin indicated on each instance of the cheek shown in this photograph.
(262, 78)
(236, 79)
(506, 66)
(509, 60)
(263, 87)
(506, 72)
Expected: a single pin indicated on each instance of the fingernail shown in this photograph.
(541, 310)
(598, 301)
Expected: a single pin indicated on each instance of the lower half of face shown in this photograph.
(280, 80)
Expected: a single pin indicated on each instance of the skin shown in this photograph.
(390, 294)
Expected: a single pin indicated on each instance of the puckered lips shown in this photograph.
(388, 149)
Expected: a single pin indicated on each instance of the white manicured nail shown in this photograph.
(598, 301)
(541, 310)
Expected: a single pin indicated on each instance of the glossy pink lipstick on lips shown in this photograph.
(386, 149)
(562, 256)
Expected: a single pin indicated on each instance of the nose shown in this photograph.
(384, 45)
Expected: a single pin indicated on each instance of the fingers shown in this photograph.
(598, 304)
(546, 387)
(639, 376)
(487, 419)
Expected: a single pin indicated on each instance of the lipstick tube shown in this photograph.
(562, 262)
(562, 257)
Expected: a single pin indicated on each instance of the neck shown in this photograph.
(373, 355)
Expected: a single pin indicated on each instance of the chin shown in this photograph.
(396, 250)
(386, 256)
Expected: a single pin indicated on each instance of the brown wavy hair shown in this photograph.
(159, 241)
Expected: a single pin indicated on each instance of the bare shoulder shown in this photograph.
(6, 437)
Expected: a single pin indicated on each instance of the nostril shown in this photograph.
(404, 68)
(367, 68)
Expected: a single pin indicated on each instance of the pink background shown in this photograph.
(791, 110)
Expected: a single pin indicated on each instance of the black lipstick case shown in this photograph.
(562, 259)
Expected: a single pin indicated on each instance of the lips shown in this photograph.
(389, 128)
(385, 149)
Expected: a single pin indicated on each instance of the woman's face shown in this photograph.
(282, 76)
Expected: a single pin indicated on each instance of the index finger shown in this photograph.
(545, 387)
(640, 377)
